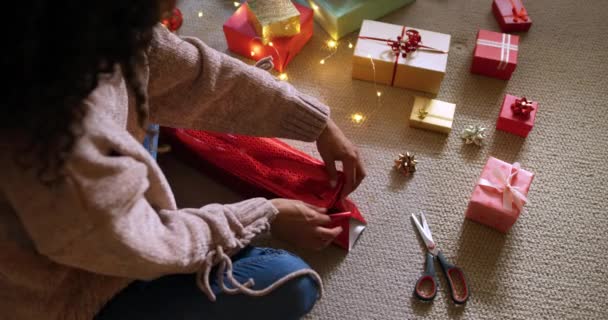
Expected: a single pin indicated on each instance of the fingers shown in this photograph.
(354, 173)
(330, 167)
(350, 176)
(332, 172)
(334, 146)
(328, 233)
(317, 217)
(311, 214)
(326, 236)
(318, 209)
(361, 173)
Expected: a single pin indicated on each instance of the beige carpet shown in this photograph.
(553, 264)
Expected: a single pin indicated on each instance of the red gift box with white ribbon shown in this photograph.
(511, 15)
(495, 54)
(268, 167)
(243, 40)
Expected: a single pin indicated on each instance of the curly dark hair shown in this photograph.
(54, 57)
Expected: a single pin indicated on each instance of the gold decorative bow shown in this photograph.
(406, 163)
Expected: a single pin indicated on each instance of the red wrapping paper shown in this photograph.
(242, 38)
(269, 168)
(510, 122)
(511, 15)
(495, 54)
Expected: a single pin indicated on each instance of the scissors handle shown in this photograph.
(456, 280)
(426, 286)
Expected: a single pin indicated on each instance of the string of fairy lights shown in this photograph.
(329, 45)
(332, 46)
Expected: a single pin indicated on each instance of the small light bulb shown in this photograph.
(357, 118)
(314, 6)
(369, 56)
(283, 76)
(350, 45)
(378, 93)
(270, 43)
(252, 53)
(332, 44)
(322, 61)
(236, 4)
(200, 14)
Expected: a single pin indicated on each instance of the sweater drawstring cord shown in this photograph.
(224, 262)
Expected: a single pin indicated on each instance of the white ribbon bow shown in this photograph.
(510, 194)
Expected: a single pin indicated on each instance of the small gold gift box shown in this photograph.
(273, 18)
(432, 114)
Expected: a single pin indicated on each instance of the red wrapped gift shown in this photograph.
(269, 168)
(517, 115)
(511, 15)
(495, 54)
(175, 21)
(243, 39)
(500, 195)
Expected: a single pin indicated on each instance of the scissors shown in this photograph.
(426, 286)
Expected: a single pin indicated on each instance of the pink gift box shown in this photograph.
(500, 194)
(511, 15)
(510, 121)
(495, 54)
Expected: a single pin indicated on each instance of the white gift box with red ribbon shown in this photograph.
(401, 56)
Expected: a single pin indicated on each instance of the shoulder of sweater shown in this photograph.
(106, 107)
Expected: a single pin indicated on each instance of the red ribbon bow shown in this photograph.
(522, 107)
(174, 22)
(520, 14)
(402, 47)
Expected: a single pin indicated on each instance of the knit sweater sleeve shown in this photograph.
(105, 217)
(194, 86)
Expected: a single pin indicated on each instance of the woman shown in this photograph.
(89, 227)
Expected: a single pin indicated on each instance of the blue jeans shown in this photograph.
(178, 297)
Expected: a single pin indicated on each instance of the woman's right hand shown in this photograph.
(302, 224)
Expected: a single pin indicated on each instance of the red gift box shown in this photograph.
(511, 15)
(500, 194)
(175, 21)
(513, 120)
(243, 39)
(269, 168)
(495, 54)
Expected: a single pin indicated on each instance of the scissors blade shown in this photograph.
(425, 225)
(425, 232)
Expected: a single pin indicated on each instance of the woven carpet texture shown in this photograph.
(553, 262)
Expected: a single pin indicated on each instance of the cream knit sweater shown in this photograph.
(66, 250)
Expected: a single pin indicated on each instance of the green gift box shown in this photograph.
(341, 17)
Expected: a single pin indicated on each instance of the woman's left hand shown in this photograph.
(334, 146)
